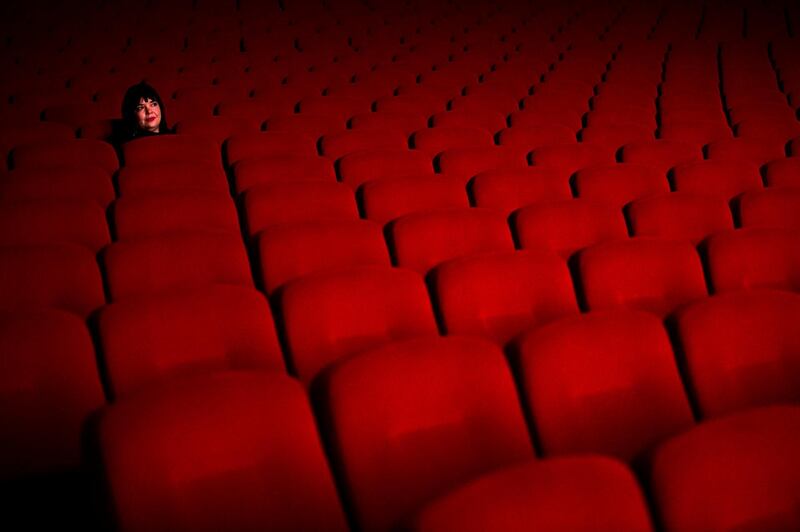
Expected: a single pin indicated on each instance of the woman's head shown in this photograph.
(143, 110)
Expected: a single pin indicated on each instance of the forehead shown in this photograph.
(145, 99)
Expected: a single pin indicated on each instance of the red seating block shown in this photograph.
(281, 167)
(172, 177)
(81, 222)
(171, 148)
(412, 420)
(387, 199)
(680, 215)
(508, 190)
(330, 316)
(742, 350)
(64, 183)
(661, 155)
(774, 207)
(569, 158)
(568, 226)
(340, 144)
(233, 449)
(720, 177)
(501, 295)
(58, 153)
(148, 340)
(422, 240)
(358, 168)
(648, 274)
(267, 143)
(603, 382)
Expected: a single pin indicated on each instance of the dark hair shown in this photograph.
(131, 101)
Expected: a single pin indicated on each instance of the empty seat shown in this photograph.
(742, 349)
(49, 388)
(679, 215)
(384, 200)
(437, 139)
(510, 189)
(81, 222)
(568, 226)
(465, 163)
(783, 173)
(147, 340)
(616, 135)
(290, 251)
(340, 144)
(171, 148)
(266, 143)
(719, 177)
(233, 449)
(501, 295)
(301, 201)
(424, 239)
(618, 184)
(569, 493)
(603, 382)
(654, 275)
(533, 137)
(773, 207)
(12, 137)
(58, 153)
(661, 155)
(146, 266)
(569, 158)
(737, 472)
(406, 121)
(754, 258)
(358, 168)
(488, 119)
(64, 183)
(412, 420)
(314, 126)
(281, 167)
(752, 150)
(330, 316)
(172, 177)
(163, 213)
(62, 276)
(217, 128)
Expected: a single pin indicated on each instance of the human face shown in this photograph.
(148, 115)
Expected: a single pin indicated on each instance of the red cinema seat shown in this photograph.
(498, 101)
(284, 202)
(340, 144)
(501, 295)
(545, 114)
(413, 420)
(266, 143)
(360, 167)
(290, 251)
(752, 150)
(62, 276)
(328, 317)
(64, 183)
(719, 177)
(172, 177)
(661, 155)
(738, 472)
(314, 126)
(419, 105)
(466, 163)
(148, 266)
(341, 107)
(569, 158)
(777, 129)
(533, 137)
(616, 135)
(81, 222)
(217, 128)
(742, 349)
(568, 226)
(773, 207)
(508, 190)
(603, 382)
(424, 239)
(48, 390)
(281, 167)
(229, 450)
(12, 137)
(679, 215)
(171, 148)
(165, 213)
(437, 139)
(407, 121)
(57, 153)
(617, 184)
(654, 275)
(696, 131)
(754, 258)
(783, 173)
(487, 119)
(386, 199)
(566, 493)
(148, 340)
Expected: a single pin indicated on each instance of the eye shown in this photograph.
(139, 107)
(154, 104)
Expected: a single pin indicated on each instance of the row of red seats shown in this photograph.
(410, 421)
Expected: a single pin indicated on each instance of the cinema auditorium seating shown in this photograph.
(420, 265)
